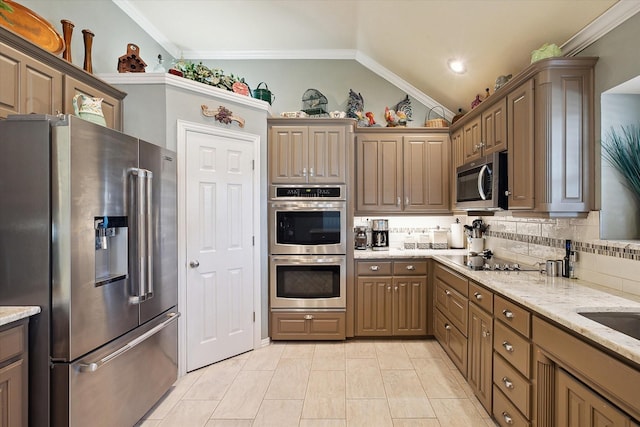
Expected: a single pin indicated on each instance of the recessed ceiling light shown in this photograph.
(457, 66)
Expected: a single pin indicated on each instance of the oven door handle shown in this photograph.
(483, 170)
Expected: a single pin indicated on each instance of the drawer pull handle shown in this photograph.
(308, 317)
(508, 313)
(374, 268)
(507, 383)
(478, 295)
(447, 326)
(507, 346)
(447, 292)
(411, 267)
(507, 417)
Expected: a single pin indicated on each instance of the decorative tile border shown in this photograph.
(614, 250)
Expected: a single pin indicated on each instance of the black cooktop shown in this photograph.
(489, 263)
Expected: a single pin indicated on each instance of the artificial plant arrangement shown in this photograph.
(211, 76)
(622, 151)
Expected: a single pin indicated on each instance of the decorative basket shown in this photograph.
(439, 122)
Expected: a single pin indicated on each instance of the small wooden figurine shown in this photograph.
(131, 61)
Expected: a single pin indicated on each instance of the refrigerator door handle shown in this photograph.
(149, 233)
(94, 366)
(142, 208)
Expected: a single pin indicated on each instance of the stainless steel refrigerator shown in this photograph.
(88, 233)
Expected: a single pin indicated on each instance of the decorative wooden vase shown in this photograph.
(67, 30)
(87, 36)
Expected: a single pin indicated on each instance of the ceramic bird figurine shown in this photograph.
(355, 104)
(404, 106)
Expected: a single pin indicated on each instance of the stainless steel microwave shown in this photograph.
(482, 185)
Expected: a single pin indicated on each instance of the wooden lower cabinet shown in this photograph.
(480, 358)
(505, 413)
(391, 298)
(311, 325)
(14, 374)
(452, 341)
(579, 406)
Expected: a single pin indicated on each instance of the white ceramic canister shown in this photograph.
(476, 244)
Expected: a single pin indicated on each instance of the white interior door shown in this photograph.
(219, 246)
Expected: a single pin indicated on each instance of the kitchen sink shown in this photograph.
(626, 322)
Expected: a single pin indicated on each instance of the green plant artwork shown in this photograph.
(622, 151)
(4, 9)
(203, 74)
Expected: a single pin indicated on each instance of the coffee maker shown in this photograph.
(379, 234)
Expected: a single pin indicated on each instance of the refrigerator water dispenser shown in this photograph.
(111, 249)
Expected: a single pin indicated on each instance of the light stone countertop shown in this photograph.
(555, 298)
(10, 314)
(560, 300)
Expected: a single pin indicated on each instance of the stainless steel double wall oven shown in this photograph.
(307, 247)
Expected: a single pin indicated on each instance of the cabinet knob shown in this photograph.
(507, 383)
(374, 268)
(447, 326)
(507, 346)
(411, 267)
(406, 201)
(311, 172)
(486, 334)
(507, 193)
(447, 292)
(478, 295)
(507, 417)
(508, 314)
(395, 288)
(398, 202)
(388, 288)
(304, 171)
(308, 317)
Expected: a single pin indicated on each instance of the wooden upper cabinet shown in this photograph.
(111, 107)
(28, 86)
(379, 173)
(300, 154)
(426, 173)
(403, 172)
(494, 128)
(472, 138)
(521, 155)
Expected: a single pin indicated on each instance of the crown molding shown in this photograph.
(148, 27)
(271, 54)
(610, 19)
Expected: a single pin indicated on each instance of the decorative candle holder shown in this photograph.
(67, 30)
(87, 36)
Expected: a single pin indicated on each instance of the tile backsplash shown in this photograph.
(613, 264)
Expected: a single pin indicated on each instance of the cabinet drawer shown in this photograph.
(453, 305)
(480, 296)
(505, 414)
(407, 268)
(452, 340)
(513, 315)
(308, 325)
(454, 280)
(12, 342)
(514, 348)
(516, 387)
(374, 268)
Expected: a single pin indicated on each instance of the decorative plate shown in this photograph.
(240, 88)
(31, 26)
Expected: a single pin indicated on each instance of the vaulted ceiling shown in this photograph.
(406, 41)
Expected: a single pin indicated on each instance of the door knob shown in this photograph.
(194, 264)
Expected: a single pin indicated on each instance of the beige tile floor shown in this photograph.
(372, 383)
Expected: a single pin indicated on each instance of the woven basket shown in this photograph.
(436, 123)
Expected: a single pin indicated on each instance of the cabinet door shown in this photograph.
(494, 128)
(288, 154)
(379, 173)
(579, 406)
(327, 154)
(471, 138)
(520, 121)
(410, 305)
(426, 173)
(27, 86)
(12, 405)
(111, 107)
(480, 359)
(374, 306)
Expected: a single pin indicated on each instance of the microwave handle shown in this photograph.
(483, 170)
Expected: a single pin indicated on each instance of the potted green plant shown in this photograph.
(622, 151)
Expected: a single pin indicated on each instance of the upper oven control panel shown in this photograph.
(306, 192)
